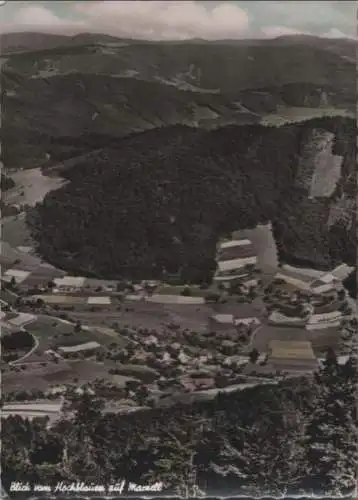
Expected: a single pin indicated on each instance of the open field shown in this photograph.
(23, 382)
(67, 300)
(88, 371)
(321, 339)
(150, 316)
(53, 331)
(15, 231)
(38, 377)
(14, 259)
(264, 245)
(31, 186)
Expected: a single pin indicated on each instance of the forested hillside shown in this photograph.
(6, 183)
(158, 201)
(63, 87)
(263, 440)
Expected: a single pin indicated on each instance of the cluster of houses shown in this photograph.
(236, 262)
(315, 303)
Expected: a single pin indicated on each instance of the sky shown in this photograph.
(163, 20)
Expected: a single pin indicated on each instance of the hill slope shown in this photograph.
(91, 83)
(160, 199)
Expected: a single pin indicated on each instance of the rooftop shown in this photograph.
(234, 243)
(224, 318)
(70, 281)
(80, 347)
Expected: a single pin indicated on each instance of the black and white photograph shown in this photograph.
(178, 249)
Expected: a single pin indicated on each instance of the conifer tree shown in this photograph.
(331, 435)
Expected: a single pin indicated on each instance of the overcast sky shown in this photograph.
(185, 19)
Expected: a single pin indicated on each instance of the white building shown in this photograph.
(18, 275)
(327, 320)
(247, 321)
(234, 243)
(232, 258)
(342, 272)
(232, 264)
(279, 318)
(69, 282)
(297, 281)
(87, 346)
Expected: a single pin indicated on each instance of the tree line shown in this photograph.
(300, 435)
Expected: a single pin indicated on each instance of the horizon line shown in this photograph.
(183, 40)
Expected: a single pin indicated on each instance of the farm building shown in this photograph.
(251, 321)
(222, 323)
(69, 283)
(310, 273)
(233, 258)
(51, 409)
(233, 276)
(237, 263)
(278, 318)
(327, 320)
(87, 346)
(325, 307)
(250, 282)
(235, 249)
(324, 284)
(300, 281)
(342, 272)
(287, 355)
(225, 322)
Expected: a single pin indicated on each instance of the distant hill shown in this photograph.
(91, 83)
(29, 41)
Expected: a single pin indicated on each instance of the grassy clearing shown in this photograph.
(296, 114)
(49, 330)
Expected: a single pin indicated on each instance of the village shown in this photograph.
(151, 344)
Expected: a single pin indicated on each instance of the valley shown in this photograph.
(178, 288)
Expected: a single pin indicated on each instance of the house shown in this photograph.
(324, 284)
(342, 272)
(278, 318)
(252, 321)
(233, 276)
(222, 324)
(151, 340)
(234, 259)
(325, 320)
(183, 358)
(234, 264)
(69, 283)
(235, 249)
(299, 281)
(86, 346)
(223, 319)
